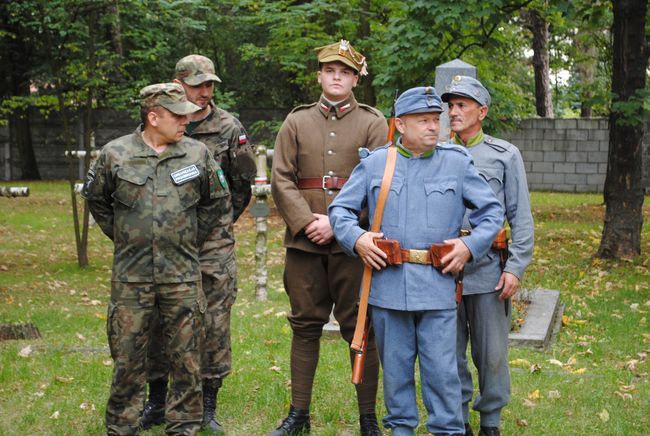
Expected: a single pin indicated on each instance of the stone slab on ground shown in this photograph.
(541, 316)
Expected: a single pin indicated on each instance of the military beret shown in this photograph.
(466, 86)
(422, 99)
(171, 96)
(343, 51)
(195, 69)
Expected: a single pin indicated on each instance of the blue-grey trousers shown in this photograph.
(484, 321)
(430, 336)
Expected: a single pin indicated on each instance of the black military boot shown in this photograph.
(489, 431)
(468, 430)
(368, 425)
(210, 391)
(296, 423)
(154, 411)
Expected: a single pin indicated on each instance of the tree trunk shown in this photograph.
(623, 184)
(539, 28)
(587, 55)
(22, 137)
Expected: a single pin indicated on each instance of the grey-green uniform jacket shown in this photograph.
(500, 163)
(156, 208)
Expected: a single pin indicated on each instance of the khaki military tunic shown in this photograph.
(317, 140)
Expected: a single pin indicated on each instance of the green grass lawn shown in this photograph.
(593, 379)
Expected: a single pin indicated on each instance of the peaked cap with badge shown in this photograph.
(196, 69)
(171, 96)
(343, 52)
(422, 99)
(466, 86)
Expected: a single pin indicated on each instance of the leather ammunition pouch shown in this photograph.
(396, 255)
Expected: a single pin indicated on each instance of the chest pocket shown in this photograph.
(494, 177)
(130, 187)
(441, 200)
(392, 209)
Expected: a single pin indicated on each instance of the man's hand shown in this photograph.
(455, 260)
(508, 285)
(319, 231)
(368, 251)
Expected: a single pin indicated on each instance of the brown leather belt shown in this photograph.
(397, 255)
(325, 182)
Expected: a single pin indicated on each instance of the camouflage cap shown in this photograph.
(343, 51)
(466, 86)
(195, 69)
(420, 100)
(171, 96)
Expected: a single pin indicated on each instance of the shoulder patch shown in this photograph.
(301, 107)
(371, 109)
(453, 147)
(498, 144)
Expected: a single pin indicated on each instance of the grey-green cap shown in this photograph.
(171, 96)
(195, 69)
(466, 86)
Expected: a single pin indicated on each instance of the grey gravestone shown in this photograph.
(444, 74)
(541, 317)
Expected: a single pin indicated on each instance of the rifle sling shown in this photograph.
(389, 170)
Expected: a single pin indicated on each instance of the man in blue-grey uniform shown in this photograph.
(490, 281)
(412, 304)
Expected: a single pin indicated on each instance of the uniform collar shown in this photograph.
(210, 124)
(341, 109)
(143, 150)
(474, 140)
(408, 154)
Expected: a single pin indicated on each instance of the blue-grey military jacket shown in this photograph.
(426, 204)
(500, 164)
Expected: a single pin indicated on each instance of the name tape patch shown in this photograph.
(185, 174)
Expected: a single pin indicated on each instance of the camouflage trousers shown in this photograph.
(132, 307)
(218, 276)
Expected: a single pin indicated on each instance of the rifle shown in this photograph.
(362, 329)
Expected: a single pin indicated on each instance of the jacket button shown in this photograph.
(332, 134)
(330, 152)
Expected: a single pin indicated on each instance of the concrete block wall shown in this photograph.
(569, 155)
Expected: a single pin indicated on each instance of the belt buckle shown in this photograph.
(418, 256)
(465, 232)
(325, 178)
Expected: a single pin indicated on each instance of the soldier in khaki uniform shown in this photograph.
(228, 142)
(315, 152)
(157, 195)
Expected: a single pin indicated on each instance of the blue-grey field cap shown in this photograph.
(422, 99)
(466, 86)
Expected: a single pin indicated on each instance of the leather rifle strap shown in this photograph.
(389, 170)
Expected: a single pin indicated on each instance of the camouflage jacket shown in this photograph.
(227, 140)
(157, 209)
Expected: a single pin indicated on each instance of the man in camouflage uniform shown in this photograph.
(315, 152)
(227, 141)
(157, 195)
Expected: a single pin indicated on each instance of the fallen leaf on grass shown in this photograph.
(534, 395)
(281, 313)
(604, 415)
(555, 362)
(269, 311)
(571, 361)
(520, 362)
(87, 406)
(107, 362)
(554, 394)
(535, 368)
(64, 380)
(624, 395)
(579, 371)
(526, 402)
(55, 415)
(642, 355)
(275, 368)
(101, 316)
(26, 351)
(634, 307)
(80, 336)
(521, 422)
(39, 394)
